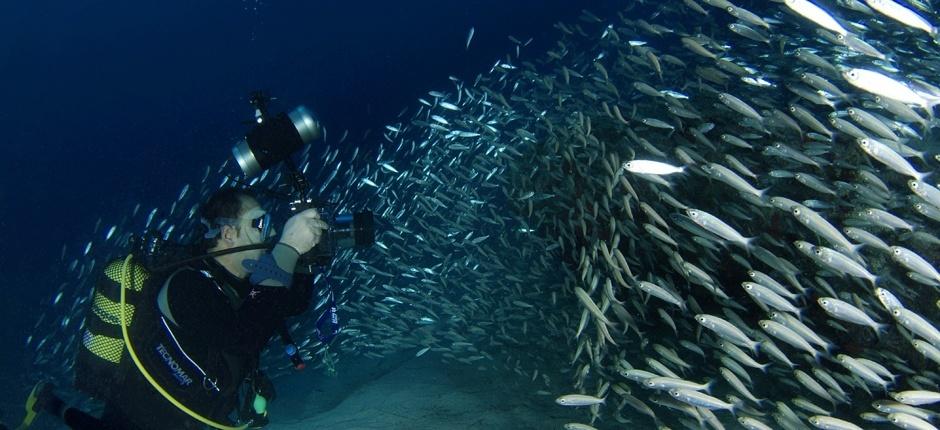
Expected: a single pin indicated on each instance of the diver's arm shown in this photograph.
(301, 233)
(285, 256)
(274, 269)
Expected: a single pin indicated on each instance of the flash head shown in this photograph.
(275, 139)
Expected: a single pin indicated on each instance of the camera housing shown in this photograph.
(346, 230)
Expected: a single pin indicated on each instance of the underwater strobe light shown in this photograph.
(275, 138)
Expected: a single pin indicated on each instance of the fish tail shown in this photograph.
(931, 120)
(881, 328)
(817, 358)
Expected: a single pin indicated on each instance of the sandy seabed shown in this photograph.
(416, 394)
(403, 392)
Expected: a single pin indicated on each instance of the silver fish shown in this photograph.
(726, 330)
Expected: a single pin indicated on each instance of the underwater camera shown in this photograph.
(345, 231)
(275, 139)
(272, 140)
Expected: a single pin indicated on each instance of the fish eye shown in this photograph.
(896, 312)
(796, 211)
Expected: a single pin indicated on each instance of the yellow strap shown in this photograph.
(30, 412)
(125, 282)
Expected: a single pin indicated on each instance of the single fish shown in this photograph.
(884, 86)
(917, 397)
(901, 14)
(846, 312)
(726, 330)
(718, 227)
(699, 399)
(578, 400)
(469, 37)
(649, 167)
(814, 13)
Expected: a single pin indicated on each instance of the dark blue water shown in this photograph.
(107, 104)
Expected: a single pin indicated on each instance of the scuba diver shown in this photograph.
(209, 322)
(171, 343)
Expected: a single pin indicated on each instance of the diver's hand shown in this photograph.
(302, 231)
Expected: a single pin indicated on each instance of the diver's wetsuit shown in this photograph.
(222, 323)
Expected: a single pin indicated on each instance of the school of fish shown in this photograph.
(691, 214)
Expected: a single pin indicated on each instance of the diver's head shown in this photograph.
(235, 218)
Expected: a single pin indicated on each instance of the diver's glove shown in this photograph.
(302, 231)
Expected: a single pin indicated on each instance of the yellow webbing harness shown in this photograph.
(125, 282)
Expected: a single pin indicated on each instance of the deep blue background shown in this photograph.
(104, 104)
